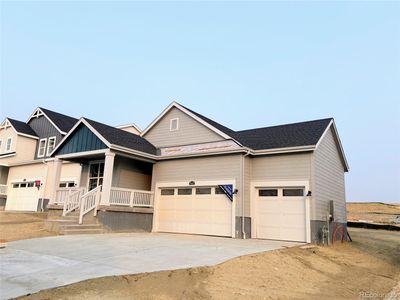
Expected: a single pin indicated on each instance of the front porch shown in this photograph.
(108, 180)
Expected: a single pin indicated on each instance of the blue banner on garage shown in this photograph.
(228, 190)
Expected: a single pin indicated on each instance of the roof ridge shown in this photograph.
(288, 124)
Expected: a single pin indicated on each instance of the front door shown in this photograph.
(96, 173)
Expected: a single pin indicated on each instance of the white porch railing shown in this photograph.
(71, 200)
(3, 189)
(63, 193)
(127, 197)
(89, 201)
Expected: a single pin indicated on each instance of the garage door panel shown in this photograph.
(281, 217)
(195, 214)
(22, 199)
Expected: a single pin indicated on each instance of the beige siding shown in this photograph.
(329, 179)
(282, 167)
(130, 129)
(130, 174)
(23, 146)
(285, 167)
(43, 172)
(247, 179)
(201, 169)
(190, 131)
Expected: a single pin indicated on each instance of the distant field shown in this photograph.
(374, 212)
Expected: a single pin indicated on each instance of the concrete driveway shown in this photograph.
(29, 266)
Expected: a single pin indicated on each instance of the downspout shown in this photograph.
(243, 159)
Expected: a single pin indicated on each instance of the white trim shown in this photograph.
(171, 122)
(8, 146)
(38, 113)
(8, 154)
(129, 125)
(80, 121)
(167, 184)
(178, 106)
(81, 154)
(332, 123)
(279, 184)
(44, 148)
(48, 143)
(6, 123)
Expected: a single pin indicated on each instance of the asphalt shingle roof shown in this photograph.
(123, 138)
(22, 127)
(281, 136)
(63, 122)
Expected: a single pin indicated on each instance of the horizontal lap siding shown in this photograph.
(130, 174)
(205, 169)
(329, 179)
(282, 167)
(190, 131)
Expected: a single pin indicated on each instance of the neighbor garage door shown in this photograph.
(200, 210)
(281, 214)
(22, 196)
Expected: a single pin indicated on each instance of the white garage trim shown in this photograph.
(254, 185)
(159, 185)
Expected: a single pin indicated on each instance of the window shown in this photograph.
(219, 191)
(173, 124)
(96, 173)
(184, 191)
(66, 184)
(1, 142)
(293, 192)
(8, 145)
(268, 193)
(25, 184)
(51, 145)
(203, 191)
(167, 192)
(42, 147)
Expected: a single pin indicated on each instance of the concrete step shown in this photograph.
(82, 231)
(82, 226)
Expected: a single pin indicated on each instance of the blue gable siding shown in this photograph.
(81, 140)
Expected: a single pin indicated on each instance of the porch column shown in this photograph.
(107, 178)
(56, 179)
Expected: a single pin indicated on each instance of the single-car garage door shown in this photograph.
(22, 196)
(199, 210)
(281, 214)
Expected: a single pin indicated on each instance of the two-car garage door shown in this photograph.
(195, 210)
(281, 214)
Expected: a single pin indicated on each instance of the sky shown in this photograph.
(243, 64)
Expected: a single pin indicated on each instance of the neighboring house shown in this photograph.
(26, 168)
(186, 173)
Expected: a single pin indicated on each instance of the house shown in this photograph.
(26, 168)
(186, 173)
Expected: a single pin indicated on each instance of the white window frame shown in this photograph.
(95, 162)
(48, 143)
(171, 122)
(8, 145)
(44, 148)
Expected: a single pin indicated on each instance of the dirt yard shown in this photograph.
(374, 212)
(20, 226)
(370, 265)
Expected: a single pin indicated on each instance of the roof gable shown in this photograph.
(88, 135)
(19, 127)
(62, 123)
(81, 140)
(192, 114)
